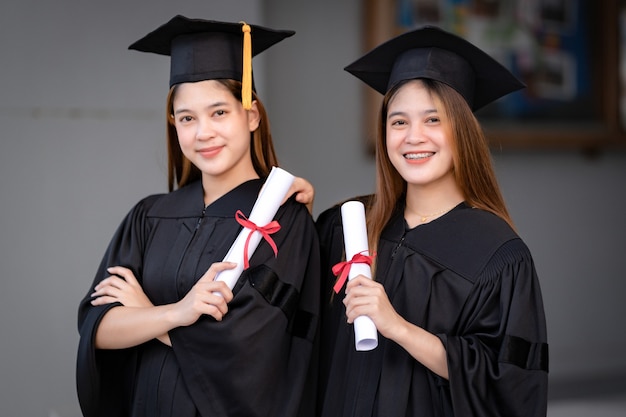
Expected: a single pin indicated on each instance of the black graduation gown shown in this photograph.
(252, 363)
(465, 277)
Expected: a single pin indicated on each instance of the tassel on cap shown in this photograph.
(246, 78)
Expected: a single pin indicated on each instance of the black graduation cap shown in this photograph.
(431, 52)
(208, 49)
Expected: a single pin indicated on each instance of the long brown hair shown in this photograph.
(472, 163)
(180, 171)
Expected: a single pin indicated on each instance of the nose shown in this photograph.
(414, 134)
(205, 130)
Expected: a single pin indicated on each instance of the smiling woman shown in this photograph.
(420, 150)
(455, 294)
(213, 132)
(158, 334)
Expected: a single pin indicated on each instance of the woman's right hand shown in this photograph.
(304, 191)
(207, 296)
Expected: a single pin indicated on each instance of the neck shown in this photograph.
(216, 187)
(425, 205)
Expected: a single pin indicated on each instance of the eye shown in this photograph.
(185, 119)
(219, 112)
(433, 119)
(397, 122)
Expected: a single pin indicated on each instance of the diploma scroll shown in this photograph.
(267, 204)
(355, 241)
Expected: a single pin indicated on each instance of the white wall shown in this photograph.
(83, 140)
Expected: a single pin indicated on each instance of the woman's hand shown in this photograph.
(305, 193)
(121, 286)
(366, 297)
(207, 296)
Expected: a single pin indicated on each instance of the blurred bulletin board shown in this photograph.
(565, 51)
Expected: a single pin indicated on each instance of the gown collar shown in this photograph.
(463, 240)
(188, 201)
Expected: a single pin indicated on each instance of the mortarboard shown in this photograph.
(431, 52)
(208, 49)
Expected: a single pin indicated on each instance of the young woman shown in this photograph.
(455, 296)
(158, 335)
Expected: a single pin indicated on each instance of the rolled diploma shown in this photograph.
(355, 241)
(265, 207)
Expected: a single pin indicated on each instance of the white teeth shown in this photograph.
(418, 155)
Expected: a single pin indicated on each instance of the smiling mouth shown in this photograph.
(211, 149)
(210, 152)
(420, 155)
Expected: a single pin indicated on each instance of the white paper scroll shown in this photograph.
(269, 200)
(355, 241)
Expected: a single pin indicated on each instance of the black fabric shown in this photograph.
(275, 292)
(213, 368)
(115, 400)
(465, 277)
(433, 53)
(524, 354)
(301, 323)
(206, 49)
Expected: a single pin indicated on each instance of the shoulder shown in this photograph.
(180, 203)
(141, 209)
(465, 241)
(183, 202)
(331, 217)
(468, 226)
(148, 203)
(510, 254)
(292, 211)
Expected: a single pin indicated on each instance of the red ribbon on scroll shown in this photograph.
(266, 231)
(343, 268)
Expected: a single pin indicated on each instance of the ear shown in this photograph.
(254, 116)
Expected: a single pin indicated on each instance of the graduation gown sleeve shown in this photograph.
(498, 353)
(486, 306)
(104, 377)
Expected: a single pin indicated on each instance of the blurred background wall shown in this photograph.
(83, 139)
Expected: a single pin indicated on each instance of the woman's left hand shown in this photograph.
(121, 286)
(366, 297)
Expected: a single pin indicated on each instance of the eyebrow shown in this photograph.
(397, 113)
(210, 106)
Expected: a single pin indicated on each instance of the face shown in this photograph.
(418, 141)
(214, 130)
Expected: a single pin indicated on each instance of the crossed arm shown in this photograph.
(137, 320)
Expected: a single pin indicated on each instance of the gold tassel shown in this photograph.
(246, 78)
